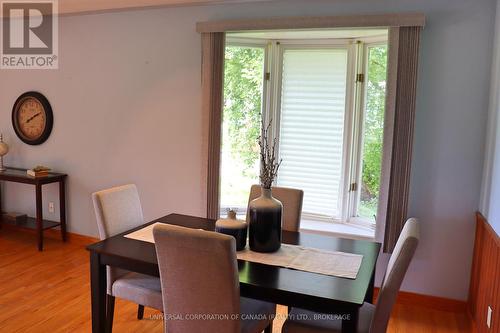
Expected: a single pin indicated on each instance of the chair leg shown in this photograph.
(269, 328)
(140, 312)
(110, 311)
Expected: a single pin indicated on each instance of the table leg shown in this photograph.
(98, 292)
(39, 216)
(350, 324)
(371, 287)
(62, 208)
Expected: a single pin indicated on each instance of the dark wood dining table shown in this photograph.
(317, 292)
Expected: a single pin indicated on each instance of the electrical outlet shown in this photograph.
(51, 207)
(488, 317)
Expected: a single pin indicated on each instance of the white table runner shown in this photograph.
(145, 234)
(301, 258)
(308, 259)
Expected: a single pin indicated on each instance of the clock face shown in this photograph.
(32, 118)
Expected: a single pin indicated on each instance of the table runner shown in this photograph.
(308, 259)
(145, 234)
(301, 258)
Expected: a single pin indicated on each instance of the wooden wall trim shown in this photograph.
(484, 289)
(311, 22)
(432, 302)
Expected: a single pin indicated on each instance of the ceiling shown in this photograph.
(85, 6)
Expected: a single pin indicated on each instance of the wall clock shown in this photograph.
(32, 118)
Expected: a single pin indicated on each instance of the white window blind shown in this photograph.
(312, 127)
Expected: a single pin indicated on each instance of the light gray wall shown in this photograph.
(490, 198)
(494, 210)
(493, 216)
(127, 109)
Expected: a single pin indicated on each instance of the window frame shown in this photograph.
(363, 63)
(249, 43)
(343, 44)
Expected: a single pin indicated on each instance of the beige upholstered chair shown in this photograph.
(199, 277)
(117, 210)
(292, 204)
(373, 319)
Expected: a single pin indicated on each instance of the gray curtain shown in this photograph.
(398, 140)
(212, 104)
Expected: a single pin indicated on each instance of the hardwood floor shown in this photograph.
(50, 292)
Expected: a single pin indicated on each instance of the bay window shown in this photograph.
(326, 100)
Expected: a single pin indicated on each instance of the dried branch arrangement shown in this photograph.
(268, 160)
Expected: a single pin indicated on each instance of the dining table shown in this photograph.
(325, 294)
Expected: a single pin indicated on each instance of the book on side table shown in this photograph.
(39, 171)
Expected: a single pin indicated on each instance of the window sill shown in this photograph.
(343, 230)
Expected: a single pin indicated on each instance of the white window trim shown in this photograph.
(342, 230)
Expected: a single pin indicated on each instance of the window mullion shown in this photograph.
(348, 133)
(267, 83)
(276, 72)
(357, 128)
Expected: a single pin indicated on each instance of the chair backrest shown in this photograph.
(396, 270)
(292, 204)
(117, 209)
(199, 278)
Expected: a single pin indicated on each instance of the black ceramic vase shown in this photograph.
(233, 227)
(265, 214)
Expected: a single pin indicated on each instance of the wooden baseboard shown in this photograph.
(72, 237)
(432, 302)
(56, 233)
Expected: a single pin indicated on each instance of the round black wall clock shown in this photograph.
(32, 118)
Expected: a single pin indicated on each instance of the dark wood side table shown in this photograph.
(38, 223)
